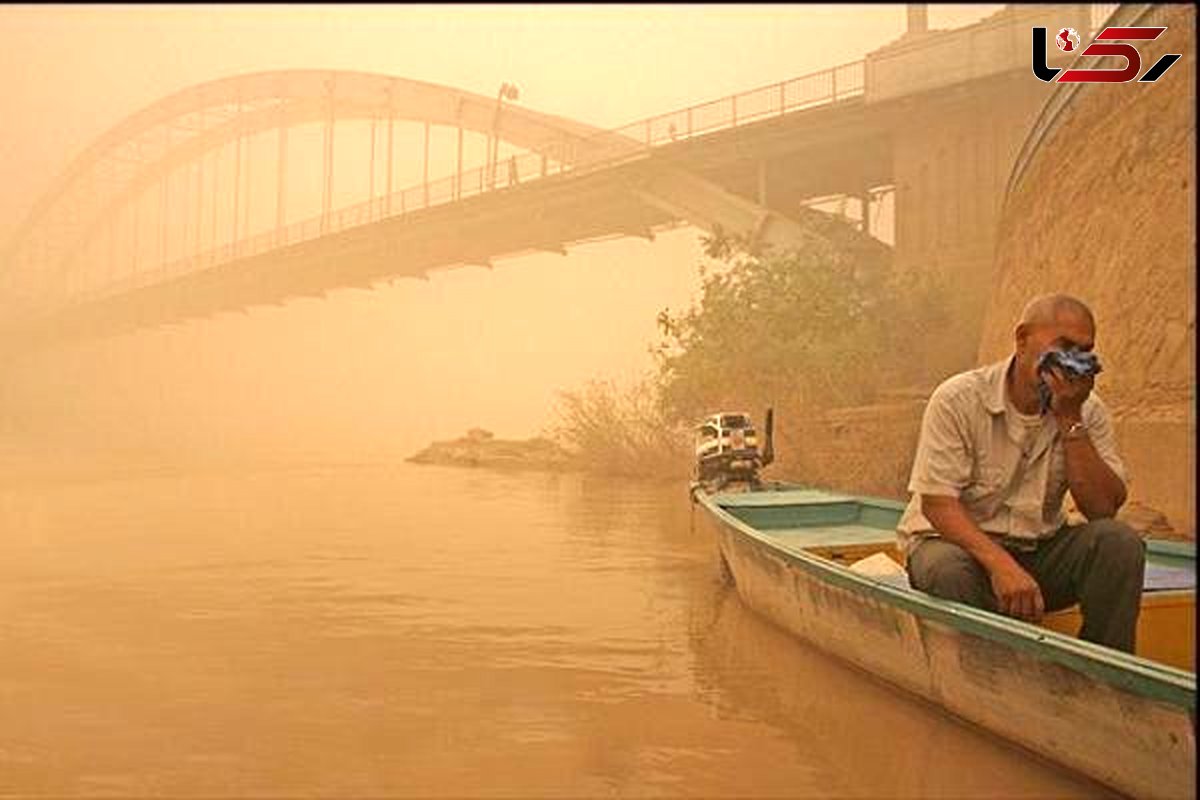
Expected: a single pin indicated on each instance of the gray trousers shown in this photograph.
(1099, 565)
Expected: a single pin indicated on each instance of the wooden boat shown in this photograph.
(1124, 720)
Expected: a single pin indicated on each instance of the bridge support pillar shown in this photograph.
(164, 191)
(387, 204)
(249, 187)
(280, 179)
(425, 169)
(327, 193)
(459, 162)
(195, 249)
(371, 179)
(212, 244)
(237, 180)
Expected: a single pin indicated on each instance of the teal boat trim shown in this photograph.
(1167, 548)
(1138, 675)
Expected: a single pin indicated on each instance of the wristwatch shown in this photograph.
(1075, 431)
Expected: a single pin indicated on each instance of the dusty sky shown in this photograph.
(385, 371)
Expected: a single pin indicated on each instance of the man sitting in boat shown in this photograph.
(999, 448)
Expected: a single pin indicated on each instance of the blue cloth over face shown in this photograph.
(1073, 363)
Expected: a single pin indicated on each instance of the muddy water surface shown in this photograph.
(388, 630)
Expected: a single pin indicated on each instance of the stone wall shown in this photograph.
(866, 449)
(869, 450)
(1106, 211)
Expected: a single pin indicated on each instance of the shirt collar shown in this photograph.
(994, 376)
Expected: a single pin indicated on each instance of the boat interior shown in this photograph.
(853, 531)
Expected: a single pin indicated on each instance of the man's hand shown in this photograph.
(1017, 593)
(1067, 395)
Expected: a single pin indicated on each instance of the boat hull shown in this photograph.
(1037, 688)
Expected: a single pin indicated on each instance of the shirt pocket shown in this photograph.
(983, 494)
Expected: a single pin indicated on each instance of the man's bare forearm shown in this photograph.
(1098, 491)
(951, 520)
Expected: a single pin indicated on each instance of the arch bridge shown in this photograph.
(197, 203)
(256, 188)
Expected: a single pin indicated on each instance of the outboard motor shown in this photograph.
(727, 450)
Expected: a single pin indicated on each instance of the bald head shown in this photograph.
(1051, 321)
(1047, 308)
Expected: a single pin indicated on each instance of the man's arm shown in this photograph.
(1099, 493)
(1098, 490)
(942, 468)
(1017, 593)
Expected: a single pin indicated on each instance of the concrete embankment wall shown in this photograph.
(1105, 210)
(864, 449)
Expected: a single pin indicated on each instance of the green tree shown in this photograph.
(814, 327)
(821, 325)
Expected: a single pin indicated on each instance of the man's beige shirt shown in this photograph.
(970, 448)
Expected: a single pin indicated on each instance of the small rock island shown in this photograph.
(479, 448)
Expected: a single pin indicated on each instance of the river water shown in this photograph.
(386, 630)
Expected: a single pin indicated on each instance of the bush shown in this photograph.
(621, 431)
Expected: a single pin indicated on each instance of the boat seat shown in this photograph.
(900, 581)
(1161, 578)
(832, 535)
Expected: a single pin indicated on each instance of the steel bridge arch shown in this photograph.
(181, 128)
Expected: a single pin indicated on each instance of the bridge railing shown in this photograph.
(556, 157)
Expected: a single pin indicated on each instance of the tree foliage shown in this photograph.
(818, 326)
(824, 324)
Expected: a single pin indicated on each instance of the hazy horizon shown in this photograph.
(390, 369)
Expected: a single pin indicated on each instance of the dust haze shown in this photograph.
(379, 371)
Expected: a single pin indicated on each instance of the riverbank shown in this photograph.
(479, 448)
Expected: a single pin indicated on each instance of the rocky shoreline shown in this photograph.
(479, 448)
